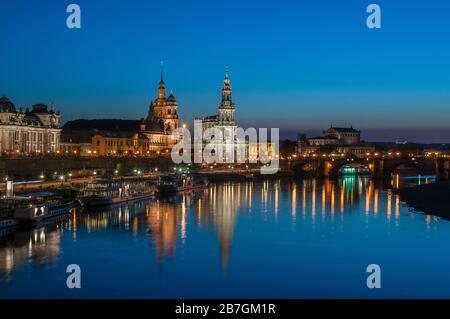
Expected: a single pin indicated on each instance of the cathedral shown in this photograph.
(224, 120)
(28, 132)
(162, 120)
(162, 113)
(152, 137)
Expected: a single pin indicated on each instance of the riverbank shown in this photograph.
(433, 199)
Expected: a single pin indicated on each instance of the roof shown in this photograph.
(344, 129)
(40, 108)
(102, 125)
(154, 126)
(171, 98)
(323, 138)
(116, 134)
(70, 136)
(6, 105)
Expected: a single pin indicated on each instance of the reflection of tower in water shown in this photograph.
(221, 211)
(162, 219)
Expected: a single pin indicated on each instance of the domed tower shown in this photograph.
(164, 110)
(6, 105)
(171, 116)
(226, 106)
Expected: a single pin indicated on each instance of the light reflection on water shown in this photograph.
(234, 239)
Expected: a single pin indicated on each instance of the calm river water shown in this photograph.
(274, 238)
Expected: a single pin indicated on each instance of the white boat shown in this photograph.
(36, 207)
(115, 191)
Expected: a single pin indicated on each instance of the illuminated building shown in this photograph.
(146, 137)
(28, 132)
(225, 122)
(336, 140)
(119, 143)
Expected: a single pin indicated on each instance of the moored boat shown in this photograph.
(35, 207)
(111, 192)
(175, 183)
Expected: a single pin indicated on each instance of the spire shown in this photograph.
(161, 88)
(226, 82)
(226, 101)
(52, 107)
(162, 71)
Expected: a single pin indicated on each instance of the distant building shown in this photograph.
(338, 140)
(29, 132)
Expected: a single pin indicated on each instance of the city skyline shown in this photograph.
(390, 83)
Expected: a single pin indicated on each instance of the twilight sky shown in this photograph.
(297, 65)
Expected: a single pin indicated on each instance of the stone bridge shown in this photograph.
(378, 166)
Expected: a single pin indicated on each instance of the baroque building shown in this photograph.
(224, 120)
(29, 132)
(151, 136)
(161, 121)
(341, 140)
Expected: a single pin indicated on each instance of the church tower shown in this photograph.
(226, 106)
(164, 110)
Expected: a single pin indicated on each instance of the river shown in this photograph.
(260, 239)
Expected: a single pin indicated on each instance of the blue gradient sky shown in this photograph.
(298, 65)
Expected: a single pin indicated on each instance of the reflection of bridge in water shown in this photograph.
(329, 166)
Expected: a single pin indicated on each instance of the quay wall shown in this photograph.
(32, 168)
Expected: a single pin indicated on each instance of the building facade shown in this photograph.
(29, 132)
(161, 121)
(335, 140)
(225, 122)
